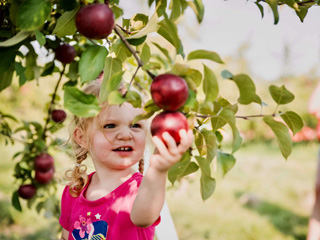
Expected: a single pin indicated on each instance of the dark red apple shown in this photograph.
(27, 191)
(169, 91)
(65, 53)
(95, 21)
(171, 122)
(43, 162)
(58, 115)
(44, 177)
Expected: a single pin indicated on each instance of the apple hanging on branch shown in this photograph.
(169, 91)
(95, 21)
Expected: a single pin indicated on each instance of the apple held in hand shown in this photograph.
(27, 191)
(58, 115)
(43, 162)
(65, 53)
(169, 91)
(95, 21)
(44, 177)
(171, 122)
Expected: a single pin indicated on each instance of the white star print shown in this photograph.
(98, 216)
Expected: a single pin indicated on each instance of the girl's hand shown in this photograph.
(165, 156)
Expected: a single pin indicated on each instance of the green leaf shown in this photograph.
(169, 31)
(274, 7)
(280, 94)
(204, 54)
(226, 161)
(19, 37)
(149, 109)
(226, 74)
(66, 24)
(32, 14)
(7, 56)
(211, 144)
(80, 103)
(145, 53)
(137, 41)
(161, 6)
(293, 120)
(152, 26)
(112, 84)
(229, 116)
(302, 12)
(112, 66)
(210, 84)
(16, 201)
(164, 51)
(198, 8)
(120, 50)
(207, 183)
(246, 88)
(134, 98)
(138, 21)
(260, 8)
(115, 98)
(176, 10)
(40, 38)
(92, 62)
(182, 168)
(282, 135)
(6, 78)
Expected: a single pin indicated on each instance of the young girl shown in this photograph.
(115, 202)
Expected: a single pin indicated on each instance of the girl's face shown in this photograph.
(116, 142)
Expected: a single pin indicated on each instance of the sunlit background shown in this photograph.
(264, 196)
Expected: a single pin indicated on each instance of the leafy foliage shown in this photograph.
(31, 24)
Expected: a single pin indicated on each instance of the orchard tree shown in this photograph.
(88, 38)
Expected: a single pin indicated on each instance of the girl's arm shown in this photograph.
(64, 235)
(150, 198)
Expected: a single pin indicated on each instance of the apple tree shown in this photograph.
(83, 44)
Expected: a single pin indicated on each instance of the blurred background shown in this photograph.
(264, 196)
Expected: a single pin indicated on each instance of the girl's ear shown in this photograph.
(80, 137)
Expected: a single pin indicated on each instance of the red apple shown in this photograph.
(58, 115)
(95, 21)
(27, 191)
(65, 53)
(44, 177)
(169, 91)
(171, 122)
(43, 162)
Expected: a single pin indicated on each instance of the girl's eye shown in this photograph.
(136, 125)
(109, 125)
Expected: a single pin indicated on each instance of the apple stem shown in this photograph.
(52, 103)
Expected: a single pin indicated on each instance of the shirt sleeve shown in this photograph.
(65, 214)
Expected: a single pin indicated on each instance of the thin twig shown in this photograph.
(52, 103)
(243, 117)
(124, 40)
(124, 30)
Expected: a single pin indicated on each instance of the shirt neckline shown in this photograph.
(110, 195)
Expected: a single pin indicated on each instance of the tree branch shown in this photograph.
(52, 103)
(243, 117)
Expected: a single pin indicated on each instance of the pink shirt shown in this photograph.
(105, 218)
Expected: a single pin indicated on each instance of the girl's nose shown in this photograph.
(124, 134)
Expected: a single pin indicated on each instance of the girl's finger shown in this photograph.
(161, 147)
(171, 143)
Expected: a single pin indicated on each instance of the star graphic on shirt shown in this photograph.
(88, 213)
(98, 216)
